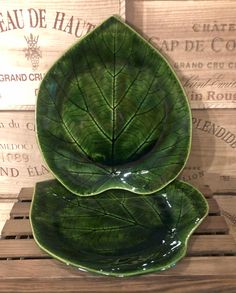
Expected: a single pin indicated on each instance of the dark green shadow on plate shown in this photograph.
(117, 233)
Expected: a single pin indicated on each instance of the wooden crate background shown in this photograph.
(55, 26)
(198, 38)
(177, 28)
(212, 160)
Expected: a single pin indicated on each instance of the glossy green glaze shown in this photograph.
(118, 232)
(111, 113)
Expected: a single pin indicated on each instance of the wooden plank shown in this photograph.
(223, 183)
(191, 35)
(227, 205)
(155, 283)
(50, 268)
(16, 228)
(213, 206)
(21, 162)
(20, 209)
(5, 208)
(20, 248)
(198, 245)
(54, 27)
(213, 150)
(212, 224)
(211, 244)
(26, 194)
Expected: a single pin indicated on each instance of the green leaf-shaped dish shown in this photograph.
(118, 232)
(111, 113)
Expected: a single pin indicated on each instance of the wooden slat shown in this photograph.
(20, 249)
(26, 194)
(198, 245)
(213, 206)
(213, 224)
(20, 209)
(50, 268)
(173, 284)
(5, 208)
(211, 244)
(16, 228)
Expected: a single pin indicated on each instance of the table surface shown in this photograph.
(210, 264)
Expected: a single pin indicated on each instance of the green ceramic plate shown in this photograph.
(111, 113)
(116, 233)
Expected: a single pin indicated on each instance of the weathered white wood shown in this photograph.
(53, 26)
(198, 38)
(213, 152)
(5, 208)
(21, 163)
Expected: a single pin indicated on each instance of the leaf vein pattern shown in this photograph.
(148, 136)
(85, 102)
(93, 119)
(137, 110)
(122, 203)
(180, 212)
(63, 123)
(97, 53)
(154, 209)
(113, 96)
(106, 214)
(94, 79)
(70, 134)
(98, 229)
(132, 82)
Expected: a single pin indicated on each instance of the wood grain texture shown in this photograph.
(213, 153)
(54, 26)
(18, 228)
(5, 208)
(21, 209)
(228, 209)
(198, 245)
(198, 38)
(21, 163)
(53, 268)
(26, 194)
(155, 284)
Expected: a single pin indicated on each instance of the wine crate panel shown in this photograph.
(34, 34)
(198, 38)
(212, 160)
(210, 263)
(21, 163)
